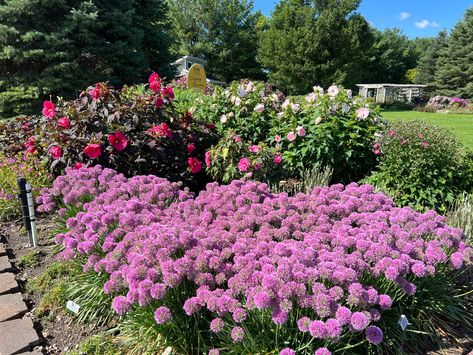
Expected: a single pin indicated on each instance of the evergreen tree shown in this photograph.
(454, 71)
(223, 32)
(315, 42)
(57, 47)
(393, 55)
(428, 61)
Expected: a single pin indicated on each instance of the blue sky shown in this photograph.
(416, 18)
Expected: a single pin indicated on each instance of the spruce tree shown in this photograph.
(428, 60)
(57, 47)
(222, 32)
(315, 42)
(454, 70)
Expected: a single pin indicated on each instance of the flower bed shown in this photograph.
(243, 270)
(457, 104)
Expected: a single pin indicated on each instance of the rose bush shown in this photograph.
(422, 165)
(241, 268)
(134, 130)
(330, 129)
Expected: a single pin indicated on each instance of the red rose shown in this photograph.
(154, 82)
(190, 148)
(211, 125)
(159, 102)
(168, 92)
(49, 109)
(96, 92)
(56, 152)
(93, 150)
(78, 166)
(64, 122)
(195, 165)
(118, 141)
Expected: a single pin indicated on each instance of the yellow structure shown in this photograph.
(196, 78)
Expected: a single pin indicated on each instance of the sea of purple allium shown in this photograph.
(247, 249)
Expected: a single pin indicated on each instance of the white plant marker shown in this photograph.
(403, 322)
(72, 306)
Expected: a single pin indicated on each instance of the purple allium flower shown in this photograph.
(216, 325)
(317, 329)
(322, 351)
(261, 300)
(374, 335)
(121, 305)
(239, 315)
(385, 302)
(287, 351)
(162, 315)
(333, 328)
(303, 324)
(359, 321)
(457, 260)
(237, 334)
(343, 315)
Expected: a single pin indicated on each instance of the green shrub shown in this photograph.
(12, 168)
(422, 165)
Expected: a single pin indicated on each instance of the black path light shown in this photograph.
(27, 208)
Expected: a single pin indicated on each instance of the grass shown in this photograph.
(460, 124)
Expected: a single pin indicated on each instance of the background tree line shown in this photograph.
(57, 47)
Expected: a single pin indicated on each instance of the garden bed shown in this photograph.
(59, 332)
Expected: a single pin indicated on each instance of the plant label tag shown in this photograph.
(403, 322)
(72, 306)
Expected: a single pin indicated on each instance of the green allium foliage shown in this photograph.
(422, 165)
(12, 168)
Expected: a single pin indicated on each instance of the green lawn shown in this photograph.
(460, 124)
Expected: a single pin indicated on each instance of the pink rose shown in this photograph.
(254, 149)
(277, 138)
(78, 166)
(301, 131)
(49, 109)
(277, 159)
(363, 113)
(243, 164)
(259, 108)
(64, 122)
(291, 136)
(207, 158)
(55, 152)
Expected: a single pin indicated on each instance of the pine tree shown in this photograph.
(315, 42)
(222, 32)
(393, 54)
(454, 71)
(428, 60)
(57, 47)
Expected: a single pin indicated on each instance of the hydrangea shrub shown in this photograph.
(316, 272)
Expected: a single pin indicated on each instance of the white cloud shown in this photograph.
(404, 16)
(426, 24)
